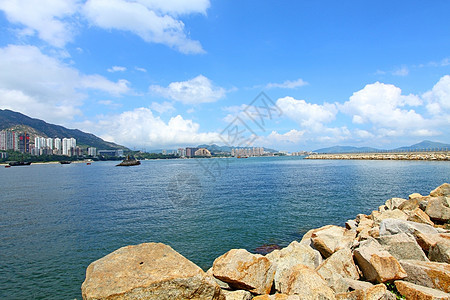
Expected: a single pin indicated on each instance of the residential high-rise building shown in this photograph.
(9, 140)
(67, 145)
(24, 143)
(49, 143)
(190, 152)
(57, 146)
(92, 151)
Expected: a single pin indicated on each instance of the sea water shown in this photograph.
(57, 219)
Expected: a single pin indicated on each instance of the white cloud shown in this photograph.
(381, 104)
(291, 137)
(155, 21)
(142, 21)
(44, 17)
(177, 7)
(44, 87)
(288, 84)
(141, 128)
(194, 91)
(439, 97)
(140, 69)
(308, 115)
(403, 71)
(116, 69)
(162, 107)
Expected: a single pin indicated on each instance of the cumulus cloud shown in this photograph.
(44, 17)
(383, 104)
(438, 98)
(307, 114)
(288, 84)
(155, 21)
(141, 20)
(291, 137)
(44, 87)
(194, 91)
(140, 127)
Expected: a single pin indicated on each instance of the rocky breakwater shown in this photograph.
(435, 156)
(400, 250)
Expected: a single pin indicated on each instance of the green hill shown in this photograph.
(35, 127)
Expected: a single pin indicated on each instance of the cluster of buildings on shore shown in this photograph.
(21, 142)
(191, 152)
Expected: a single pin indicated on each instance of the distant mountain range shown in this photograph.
(35, 127)
(424, 145)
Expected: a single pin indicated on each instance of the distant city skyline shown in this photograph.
(165, 75)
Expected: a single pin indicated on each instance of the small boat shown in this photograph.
(7, 166)
(128, 162)
(20, 163)
(88, 163)
(65, 162)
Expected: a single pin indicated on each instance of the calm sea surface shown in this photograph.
(56, 219)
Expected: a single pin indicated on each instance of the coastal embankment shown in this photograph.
(402, 249)
(434, 156)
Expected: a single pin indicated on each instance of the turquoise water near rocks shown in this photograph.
(56, 219)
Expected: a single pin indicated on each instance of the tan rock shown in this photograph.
(245, 271)
(394, 226)
(237, 295)
(402, 246)
(415, 195)
(285, 259)
(306, 239)
(414, 291)
(351, 225)
(277, 297)
(410, 204)
(329, 239)
(150, 271)
(438, 209)
(394, 203)
(376, 292)
(440, 251)
(306, 283)
(430, 274)
(442, 190)
(338, 266)
(389, 214)
(377, 264)
(222, 285)
(357, 284)
(420, 216)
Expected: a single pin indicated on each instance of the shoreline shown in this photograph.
(402, 249)
(424, 156)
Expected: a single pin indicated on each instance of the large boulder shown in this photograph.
(440, 251)
(237, 295)
(430, 274)
(245, 271)
(394, 203)
(331, 238)
(306, 283)
(377, 217)
(147, 271)
(442, 190)
(414, 291)
(336, 267)
(402, 246)
(278, 297)
(377, 264)
(375, 292)
(420, 216)
(285, 259)
(394, 226)
(438, 209)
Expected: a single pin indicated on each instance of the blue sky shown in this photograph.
(152, 74)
